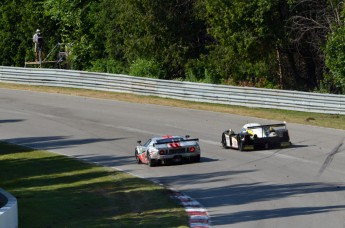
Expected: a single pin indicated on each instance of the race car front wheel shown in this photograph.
(224, 141)
(137, 157)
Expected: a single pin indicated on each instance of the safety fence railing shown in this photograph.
(199, 92)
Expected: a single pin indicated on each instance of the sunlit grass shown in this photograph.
(57, 191)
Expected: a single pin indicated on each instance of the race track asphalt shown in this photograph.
(300, 186)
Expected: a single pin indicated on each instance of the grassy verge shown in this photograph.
(58, 191)
(316, 119)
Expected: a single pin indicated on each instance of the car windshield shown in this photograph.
(169, 140)
(147, 143)
(261, 132)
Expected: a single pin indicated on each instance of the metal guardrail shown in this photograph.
(199, 92)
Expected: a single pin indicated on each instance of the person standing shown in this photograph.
(37, 39)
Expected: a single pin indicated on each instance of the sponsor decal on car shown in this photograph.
(174, 145)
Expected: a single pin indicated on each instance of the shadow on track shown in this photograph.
(55, 142)
(11, 121)
(256, 215)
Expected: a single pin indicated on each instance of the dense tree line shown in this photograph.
(288, 44)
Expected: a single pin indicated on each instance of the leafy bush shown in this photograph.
(335, 58)
(200, 71)
(107, 65)
(146, 68)
(195, 70)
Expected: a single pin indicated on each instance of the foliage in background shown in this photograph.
(335, 51)
(146, 68)
(166, 31)
(335, 60)
(18, 23)
(288, 44)
(73, 27)
(247, 34)
(111, 66)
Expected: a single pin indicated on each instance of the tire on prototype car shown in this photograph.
(224, 141)
(240, 146)
(283, 133)
(240, 143)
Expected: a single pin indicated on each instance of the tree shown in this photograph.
(165, 32)
(334, 81)
(307, 32)
(73, 27)
(247, 36)
(310, 24)
(335, 59)
(19, 20)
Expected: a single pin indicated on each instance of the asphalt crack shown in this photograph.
(330, 157)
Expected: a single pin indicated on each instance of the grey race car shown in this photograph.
(165, 149)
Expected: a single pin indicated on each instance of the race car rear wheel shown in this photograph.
(150, 162)
(240, 143)
(240, 146)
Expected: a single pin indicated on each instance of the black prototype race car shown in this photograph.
(256, 136)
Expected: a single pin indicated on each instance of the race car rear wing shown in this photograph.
(175, 141)
(269, 125)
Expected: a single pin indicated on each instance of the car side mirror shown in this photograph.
(187, 136)
(139, 142)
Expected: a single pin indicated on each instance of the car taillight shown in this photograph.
(192, 149)
(161, 152)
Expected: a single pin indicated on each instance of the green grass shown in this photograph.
(57, 191)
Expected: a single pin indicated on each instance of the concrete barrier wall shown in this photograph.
(9, 212)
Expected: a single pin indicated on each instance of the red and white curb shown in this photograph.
(198, 216)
